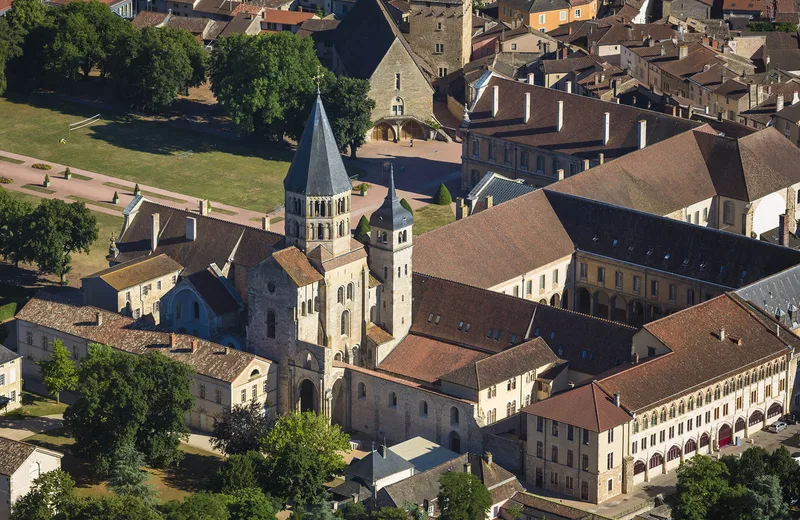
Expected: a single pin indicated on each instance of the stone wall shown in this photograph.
(415, 91)
(441, 24)
(506, 450)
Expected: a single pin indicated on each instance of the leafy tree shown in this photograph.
(127, 476)
(462, 496)
(768, 498)
(51, 492)
(303, 451)
(14, 221)
(363, 229)
(263, 82)
(200, 506)
(24, 15)
(59, 371)
(57, 231)
(783, 466)
(701, 482)
(112, 508)
(241, 428)
(761, 27)
(786, 27)
(734, 503)
(158, 64)
(319, 510)
(405, 204)
(349, 109)
(415, 511)
(442, 197)
(355, 511)
(240, 471)
(753, 463)
(251, 504)
(390, 513)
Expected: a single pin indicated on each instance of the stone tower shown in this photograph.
(440, 31)
(390, 259)
(318, 190)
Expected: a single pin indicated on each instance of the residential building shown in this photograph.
(22, 463)
(492, 189)
(133, 288)
(321, 31)
(439, 32)
(762, 103)
(787, 120)
(545, 15)
(275, 20)
(10, 381)
(683, 9)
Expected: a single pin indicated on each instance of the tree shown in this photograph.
(251, 504)
(14, 222)
(112, 508)
(701, 482)
(201, 506)
(57, 231)
(782, 465)
(240, 471)
(59, 372)
(240, 428)
(442, 197)
(263, 82)
(127, 476)
(355, 511)
(158, 64)
(462, 496)
(349, 109)
(390, 513)
(405, 204)
(51, 492)
(303, 451)
(363, 229)
(768, 498)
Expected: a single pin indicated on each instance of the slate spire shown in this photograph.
(317, 169)
(391, 215)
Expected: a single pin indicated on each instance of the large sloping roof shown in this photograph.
(317, 169)
(140, 270)
(376, 466)
(7, 355)
(777, 296)
(427, 359)
(364, 36)
(391, 214)
(586, 406)
(13, 454)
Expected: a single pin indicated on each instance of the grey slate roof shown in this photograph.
(391, 215)
(502, 189)
(375, 466)
(777, 295)
(7, 355)
(317, 169)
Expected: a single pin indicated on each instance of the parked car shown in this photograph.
(777, 427)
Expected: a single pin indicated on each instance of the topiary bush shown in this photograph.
(137, 190)
(405, 204)
(363, 229)
(442, 197)
(115, 199)
(67, 174)
(46, 181)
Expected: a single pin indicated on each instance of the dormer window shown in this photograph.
(552, 334)
(466, 328)
(430, 317)
(436, 321)
(491, 331)
(460, 325)
(497, 335)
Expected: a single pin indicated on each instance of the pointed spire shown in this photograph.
(392, 194)
(391, 214)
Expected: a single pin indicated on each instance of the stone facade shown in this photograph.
(136, 301)
(15, 486)
(441, 34)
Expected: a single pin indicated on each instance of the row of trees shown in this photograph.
(47, 235)
(42, 47)
(756, 486)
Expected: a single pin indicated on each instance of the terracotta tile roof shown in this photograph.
(13, 454)
(578, 63)
(378, 335)
(140, 270)
(193, 24)
(586, 406)
(146, 19)
(480, 374)
(287, 17)
(582, 132)
(296, 265)
(122, 333)
(426, 360)
(743, 5)
(549, 507)
(319, 29)
(248, 8)
(692, 336)
(699, 56)
(732, 89)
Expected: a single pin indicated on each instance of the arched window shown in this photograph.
(196, 310)
(699, 399)
(681, 408)
(340, 295)
(341, 228)
(761, 373)
(345, 325)
(656, 460)
(746, 379)
(716, 393)
(635, 426)
(423, 409)
(178, 311)
(393, 400)
(769, 370)
(645, 423)
(663, 415)
(351, 289)
(653, 419)
(673, 453)
(310, 307)
(453, 415)
(320, 232)
(672, 412)
(708, 396)
(690, 446)
(270, 323)
(691, 403)
(303, 307)
(362, 390)
(725, 389)
(398, 106)
(739, 383)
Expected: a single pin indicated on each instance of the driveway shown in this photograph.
(21, 429)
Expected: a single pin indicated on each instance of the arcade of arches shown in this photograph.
(399, 130)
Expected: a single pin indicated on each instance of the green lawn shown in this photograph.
(34, 405)
(248, 175)
(194, 474)
(86, 264)
(432, 217)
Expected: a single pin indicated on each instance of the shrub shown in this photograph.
(41, 166)
(67, 174)
(115, 199)
(8, 310)
(6, 180)
(137, 190)
(362, 230)
(46, 180)
(442, 197)
(405, 204)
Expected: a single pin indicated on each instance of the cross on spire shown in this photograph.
(316, 79)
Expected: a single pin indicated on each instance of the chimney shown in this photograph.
(795, 98)
(601, 157)
(265, 223)
(564, 52)
(606, 127)
(752, 95)
(203, 207)
(634, 357)
(225, 351)
(495, 100)
(560, 122)
(721, 334)
(616, 399)
(467, 466)
(560, 172)
(585, 164)
(461, 208)
(642, 133)
(569, 87)
(173, 340)
(783, 230)
(487, 457)
(382, 450)
(597, 78)
(683, 51)
(194, 346)
(191, 229)
(98, 319)
(530, 78)
(155, 228)
(779, 103)
(527, 107)
(615, 87)
(489, 201)
(760, 93)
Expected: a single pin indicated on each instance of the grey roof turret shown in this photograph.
(317, 169)
(391, 215)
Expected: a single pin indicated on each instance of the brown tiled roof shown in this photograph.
(586, 406)
(296, 265)
(699, 56)
(315, 28)
(214, 291)
(122, 333)
(140, 270)
(219, 7)
(378, 335)
(500, 367)
(549, 507)
(743, 5)
(287, 17)
(426, 359)
(148, 19)
(193, 24)
(692, 337)
(732, 89)
(582, 131)
(571, 64)
(13, 454)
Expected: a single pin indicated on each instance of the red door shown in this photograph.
(724, 436)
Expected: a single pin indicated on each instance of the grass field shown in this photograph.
(432, 217)
(86, 264)
(34, 405)
(194, 474)
(248, 175)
